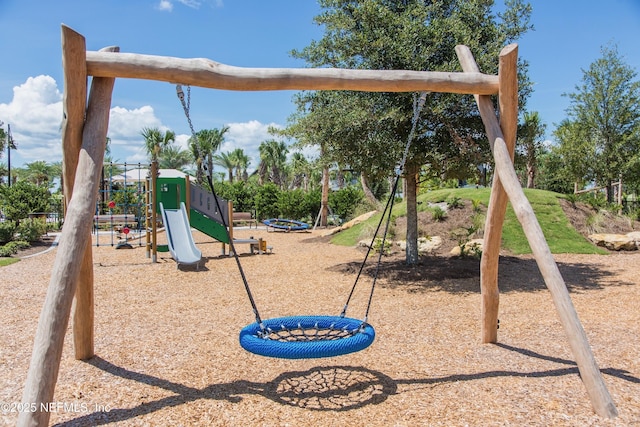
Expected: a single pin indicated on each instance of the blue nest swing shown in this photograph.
(285, 224)
(307, 337)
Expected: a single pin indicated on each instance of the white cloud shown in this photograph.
(191, 3)
(35, 116)
(165, 5)
(248, 136)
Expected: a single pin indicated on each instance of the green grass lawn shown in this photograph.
(560, 235)
(8, 261)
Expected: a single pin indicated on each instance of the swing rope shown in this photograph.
(418, 104)
(303, 337)
(186, 106)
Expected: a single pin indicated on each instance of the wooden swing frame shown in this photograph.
(84, 135)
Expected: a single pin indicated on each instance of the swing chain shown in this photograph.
(418, 104)
(186, 105)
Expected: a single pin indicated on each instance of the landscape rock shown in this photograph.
(635, 235)
(470, 248)
(426, 245)
(614, 242)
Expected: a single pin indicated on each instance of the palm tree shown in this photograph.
(242, 162)
(172, 157)
(227, 161)
(209, 141)
(38, 172)
(299, 170)
(273, 155)
(155, 141)
(196, 154)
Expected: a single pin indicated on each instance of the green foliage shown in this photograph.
(266, 201)
(240, 192)
(127, 201)
(600, 140)
(477, 205)
(594, 222)
(379, 247)
(344, 201)
(438, 214)
(477, 223)
(292, 204)
(530, 145)
(7, 231)
(455, 202)
(12, 248)
(31, 229)
(23, 198)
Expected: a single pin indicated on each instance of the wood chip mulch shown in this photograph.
(167, 352)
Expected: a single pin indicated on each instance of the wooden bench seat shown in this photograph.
(244, 218)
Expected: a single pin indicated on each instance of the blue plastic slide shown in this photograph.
(179, 237)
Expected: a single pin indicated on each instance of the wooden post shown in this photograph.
(154, 211)
(508, 104)
(589, 371)
(83, 317)
(54, 318)
(74, 106)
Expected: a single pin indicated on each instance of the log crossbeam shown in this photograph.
(214, 75)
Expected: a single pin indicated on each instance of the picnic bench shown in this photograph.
(244, 218)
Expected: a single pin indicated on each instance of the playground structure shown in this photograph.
(125, 214)
(204, 213)
(83, 147)
(123, 206)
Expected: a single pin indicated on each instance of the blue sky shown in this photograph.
(568, 37)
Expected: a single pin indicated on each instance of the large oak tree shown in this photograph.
(368, 131)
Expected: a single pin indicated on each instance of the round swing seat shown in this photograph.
(307, 337)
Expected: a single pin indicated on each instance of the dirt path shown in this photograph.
(168, 354)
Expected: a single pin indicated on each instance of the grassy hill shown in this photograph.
(559, 232)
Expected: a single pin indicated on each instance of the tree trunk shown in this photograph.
(610, 197)
(531, 176)
(367, 191)
(324, 202)
(412, 215)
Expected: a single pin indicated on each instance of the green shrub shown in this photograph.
(266, 201)
(477, 223)
(455, 202)
(23, 198)
(477, 205)
(377, 246)
(12, 248)
(240, 192)
(344, 201)
(7, 230)
(31, 229)
(438, 214)
(291, 204)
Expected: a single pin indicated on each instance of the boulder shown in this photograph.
(614, 242)
(470, 248)
(426, 245)
(635, 235)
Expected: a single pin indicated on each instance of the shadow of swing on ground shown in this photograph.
(323, 388)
